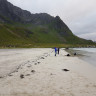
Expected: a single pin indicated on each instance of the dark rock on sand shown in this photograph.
(21, 76)
(65, 70)
(68, 55)
(75, 53)
(33, 71)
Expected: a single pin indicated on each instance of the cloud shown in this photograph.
(89, 36)
(85, 27)
(79, 15)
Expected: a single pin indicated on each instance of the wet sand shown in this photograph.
(47, 75)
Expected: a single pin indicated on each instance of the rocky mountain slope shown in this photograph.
(21, 28)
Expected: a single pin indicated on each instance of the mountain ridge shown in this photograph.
(33, 29)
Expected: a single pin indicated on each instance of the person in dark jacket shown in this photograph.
(58, 50)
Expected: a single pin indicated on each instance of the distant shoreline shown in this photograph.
(89, 57)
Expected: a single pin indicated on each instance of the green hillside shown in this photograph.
(35, 36)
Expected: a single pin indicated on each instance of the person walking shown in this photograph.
(58, 50)
(55, 51)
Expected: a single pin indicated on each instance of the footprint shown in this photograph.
(29, 66)
(35, 63)
(27, 74)
(1, 77)
(38, 62)
(42, 58)
(21, 76)
(94, 86)
(10, 75)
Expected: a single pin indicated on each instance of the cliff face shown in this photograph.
(18, 15)
(14, 13)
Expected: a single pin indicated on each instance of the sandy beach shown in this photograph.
(37, 72)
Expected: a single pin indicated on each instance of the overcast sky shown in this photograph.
(79, 15)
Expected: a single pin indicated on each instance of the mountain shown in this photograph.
(20, 28)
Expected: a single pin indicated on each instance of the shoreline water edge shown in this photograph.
(86, 54)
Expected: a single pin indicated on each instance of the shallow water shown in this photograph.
(89, 54)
